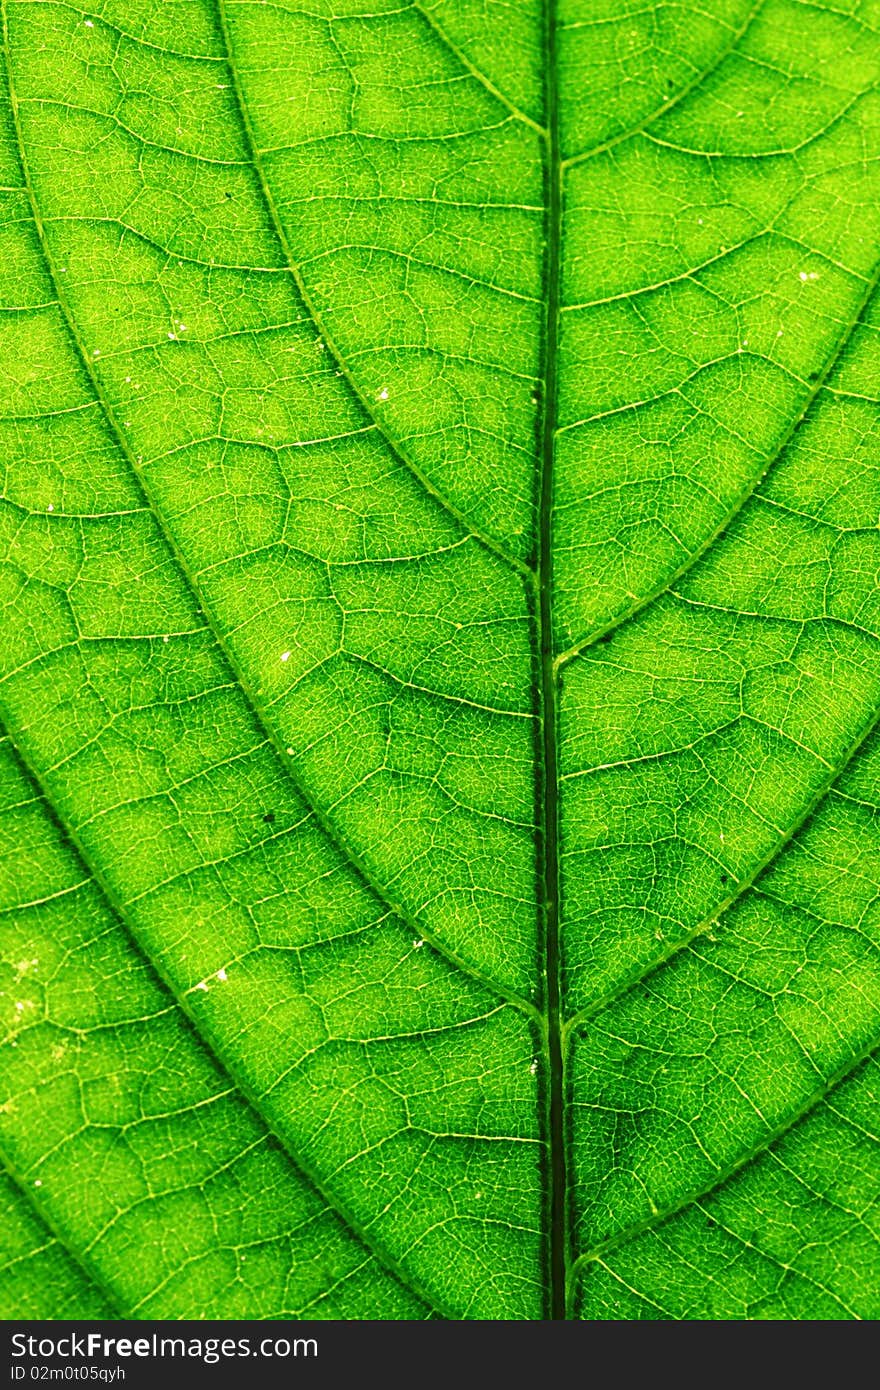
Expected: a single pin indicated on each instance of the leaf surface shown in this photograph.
(438, 659)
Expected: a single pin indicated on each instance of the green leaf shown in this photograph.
(439, 543)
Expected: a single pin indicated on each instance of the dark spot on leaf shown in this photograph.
(269, 818)
(724, 878)
(814, 376)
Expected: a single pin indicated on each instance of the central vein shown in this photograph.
(557, 1195)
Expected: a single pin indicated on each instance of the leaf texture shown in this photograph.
(439, 542)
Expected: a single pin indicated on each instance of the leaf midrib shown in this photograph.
(549, 664)
(547, 780)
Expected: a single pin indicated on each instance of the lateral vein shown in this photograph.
(605, 629)
(395, 447)
(133, 936)
(330, 831)
(698, 1195)
(633, 982)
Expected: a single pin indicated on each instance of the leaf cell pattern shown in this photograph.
(439, 538)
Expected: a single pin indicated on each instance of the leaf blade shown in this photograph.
(325, 378)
